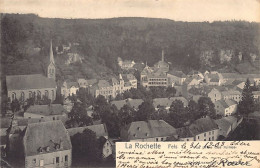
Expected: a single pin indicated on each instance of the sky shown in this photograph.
(179, 10)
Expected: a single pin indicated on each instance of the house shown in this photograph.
(69, 88)
(147, 131)
(213, 79)
(203, 129)
(47, 144)
(99, 129)
(215, 95)
(194, 74)
(150, 77)
(47, 112)
(167, 102)
(226, 107)
(102, 87)
(162, 65)
(82, 83)
(192, 82)
(39, 144)
(256, 95)
(176, 77)
(130, 80)
(232, 94)
(117, 84)
(127, 64)
(133, 103)
(227, 125)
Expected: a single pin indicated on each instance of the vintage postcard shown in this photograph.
(130, 83)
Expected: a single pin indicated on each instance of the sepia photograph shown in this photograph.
(81, 78)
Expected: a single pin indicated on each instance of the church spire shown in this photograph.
(51, 68)
(51, 54)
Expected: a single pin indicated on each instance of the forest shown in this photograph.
(102, 41)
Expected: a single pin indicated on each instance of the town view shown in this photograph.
(72, 88)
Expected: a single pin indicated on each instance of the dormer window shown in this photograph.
(138, 128)
(147, 134)
(47, 149)
(40, 150)
(134, 135)
(57, 146)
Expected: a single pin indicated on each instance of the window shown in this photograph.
(198, 137)
(156, 139)
(46, 94)
(213, 138)
(57, 159)
(39, 94)
(30, 94)
(53, 118)
(66, 158)
(204, 134)
(161, 139)
(209, 139)
(13, 96)
(34, 161)
(204, 139)
(209, 133)
(212, 132)
(41, 163)
(187, 139)
(22, 96)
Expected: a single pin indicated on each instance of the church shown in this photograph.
(23, 87)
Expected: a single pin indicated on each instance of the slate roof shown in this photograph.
(179, 74)
(223, 124)
(184, 132)
(134, 103)
(43, 135)
(47, 110)
(202, 125)
(23, 82)
(166, 102)
(147, 129)
(230, 92)
(6, 122)
(99, 129)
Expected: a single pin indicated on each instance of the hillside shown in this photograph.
(187, 45)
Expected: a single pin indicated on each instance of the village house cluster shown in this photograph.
(44, 141)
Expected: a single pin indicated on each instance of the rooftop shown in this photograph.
(23, 82)
(99, 129)
(47, 110)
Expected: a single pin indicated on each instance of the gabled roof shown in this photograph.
(99, 129)
(47, 110)
(202, 125)
(6, 122)
(184, 132)
(135, 103)
(230, 92)
(147, 129)
(166, 102)
(179, 74)
(23, 82)
(45, 134)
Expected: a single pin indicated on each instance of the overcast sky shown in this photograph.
(180, 10)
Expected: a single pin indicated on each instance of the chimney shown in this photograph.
(162, 55)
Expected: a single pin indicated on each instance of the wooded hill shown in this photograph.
(102, 41)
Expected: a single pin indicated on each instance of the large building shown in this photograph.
(23, 87)
(43, 144)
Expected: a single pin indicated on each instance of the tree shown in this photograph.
(78, 116)
(193, 110)
(146, 110)
(247, 104)
(170, 91)
(125, 115)
(178, 114)
(86, 145)
(206, 107)
(15, 106)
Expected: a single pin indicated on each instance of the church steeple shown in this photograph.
(51, 68)
(51, 54)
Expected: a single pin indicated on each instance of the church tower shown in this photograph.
(51, 68)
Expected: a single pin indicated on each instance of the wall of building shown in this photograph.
(26, 93)
(49, 159)
(214, 95)
(207, 136)
(107, 149)
(154, 139)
